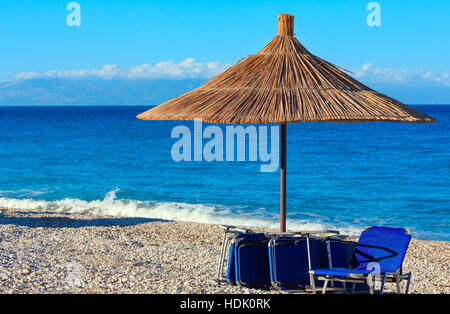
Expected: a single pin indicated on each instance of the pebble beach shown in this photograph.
(55, 252)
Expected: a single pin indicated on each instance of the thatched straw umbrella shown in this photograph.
(284, 83)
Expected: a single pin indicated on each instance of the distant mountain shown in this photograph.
(93, 91)
(415, 95)
(155, 92)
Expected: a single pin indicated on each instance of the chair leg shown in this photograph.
(313, 283)
(222, 257)
(371, 288)
(325, 284)
(382, 284)
(407, 283)
(397, 283)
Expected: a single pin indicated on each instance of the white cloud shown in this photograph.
(189, 68)
(370, 74)
(161, 70)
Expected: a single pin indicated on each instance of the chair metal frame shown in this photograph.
(395, 277)
(327, 235)
(229, 234)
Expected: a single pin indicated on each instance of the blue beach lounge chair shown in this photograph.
(379, 251)
(293, 254)
(248, 261)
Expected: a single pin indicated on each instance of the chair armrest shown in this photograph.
(307, 232)
(234, 229)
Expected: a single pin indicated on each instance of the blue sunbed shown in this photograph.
(379, 251)
(293, 254)
(289, 260)
(248, 261)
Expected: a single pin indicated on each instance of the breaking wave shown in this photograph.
(200, 213)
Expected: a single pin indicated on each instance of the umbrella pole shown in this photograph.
(283, 179)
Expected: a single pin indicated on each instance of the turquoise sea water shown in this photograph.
(339, 175)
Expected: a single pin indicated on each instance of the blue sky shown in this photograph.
(411, 46)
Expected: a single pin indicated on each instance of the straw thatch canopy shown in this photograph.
(284, 83)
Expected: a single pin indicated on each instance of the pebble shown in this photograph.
(82, 253)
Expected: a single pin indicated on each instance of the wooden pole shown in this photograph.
(283, 179)
(286, 24)
(285, 27)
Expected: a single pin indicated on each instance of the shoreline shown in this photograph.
(54, 252)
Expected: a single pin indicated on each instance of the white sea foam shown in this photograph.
(201, 213)
(25, 192)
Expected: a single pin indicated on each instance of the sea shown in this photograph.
(343, 176)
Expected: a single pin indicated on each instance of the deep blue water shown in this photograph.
(339, 175)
